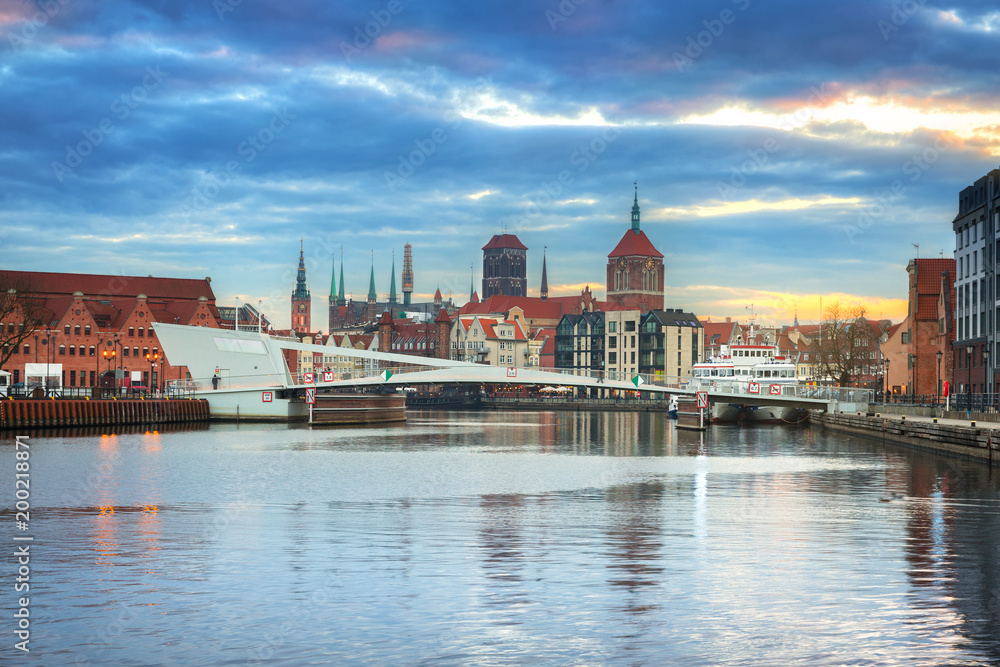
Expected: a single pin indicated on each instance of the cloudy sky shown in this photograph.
(784, 151)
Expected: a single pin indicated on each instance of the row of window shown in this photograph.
(76, 330)
(92, 350)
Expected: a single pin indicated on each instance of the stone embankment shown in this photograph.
(958, 437)
(37, 413)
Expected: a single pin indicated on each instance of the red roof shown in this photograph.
(505, 241)
(105, 286)
(724, 331)
(635, 243)
(534, 308)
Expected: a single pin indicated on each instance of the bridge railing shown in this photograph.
(789, 390)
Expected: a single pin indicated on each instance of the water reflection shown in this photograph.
(512, 538)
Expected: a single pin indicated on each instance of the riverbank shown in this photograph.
(956, 437)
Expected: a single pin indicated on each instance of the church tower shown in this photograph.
(635, 268)
(334, 315)
(505, 261)
(301, 301)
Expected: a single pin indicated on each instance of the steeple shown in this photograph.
(341, 297)
(392, 284)
(300, 278)
(545, 277)
(333, 279)
(635, 209)
(372, 296)
(472, 281)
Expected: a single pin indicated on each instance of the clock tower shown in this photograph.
(635, 269)
(301, 300)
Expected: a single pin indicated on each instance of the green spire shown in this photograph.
(392, 285)
(341, 297)
(333, 279)
(635, 210)
(372, 296)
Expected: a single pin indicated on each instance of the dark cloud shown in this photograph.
(177, 107)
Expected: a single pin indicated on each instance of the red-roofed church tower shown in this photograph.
(635, 269)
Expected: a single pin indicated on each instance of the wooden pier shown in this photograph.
(38, 413)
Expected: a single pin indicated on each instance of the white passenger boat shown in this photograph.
(747, 368)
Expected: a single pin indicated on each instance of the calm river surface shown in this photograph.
(503, 539)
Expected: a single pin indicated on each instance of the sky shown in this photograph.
(785, 152)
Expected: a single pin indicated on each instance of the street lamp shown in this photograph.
(913, 377)
(109, 355)
(885, 376)
(938, 398)
(987, 380)
(49, 334)
(152, 359)
(968, 373)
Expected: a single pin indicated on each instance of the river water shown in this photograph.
(503, 538)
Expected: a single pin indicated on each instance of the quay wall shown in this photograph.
(25, 414)
(971, 440)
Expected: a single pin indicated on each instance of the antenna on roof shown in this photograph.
(917, 246)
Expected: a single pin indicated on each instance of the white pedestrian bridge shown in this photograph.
(247, 372)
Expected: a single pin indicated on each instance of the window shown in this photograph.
(86, 330)
(66, 329)
(142, 332)
(72, 350)
(125, 351)
(27, 348)
(630, 325)
(612, 327)
(612, 341)
(93, 351)
(131, 331)
(62, 350)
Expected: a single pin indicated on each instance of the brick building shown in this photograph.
(87, 318)
(505, 266)
(635, 269)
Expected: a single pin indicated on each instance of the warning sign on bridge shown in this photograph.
(775, 390)
(754, 388)
(310, 396)
(702, 397)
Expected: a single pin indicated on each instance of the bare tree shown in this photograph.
(846, 343)
(21, 314)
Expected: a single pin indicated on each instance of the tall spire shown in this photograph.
(300, 278)
(472, 281)
(545, 277)
(392, 284)
(635, 209)
(372, 296)
(333, 278)
(341, 297)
